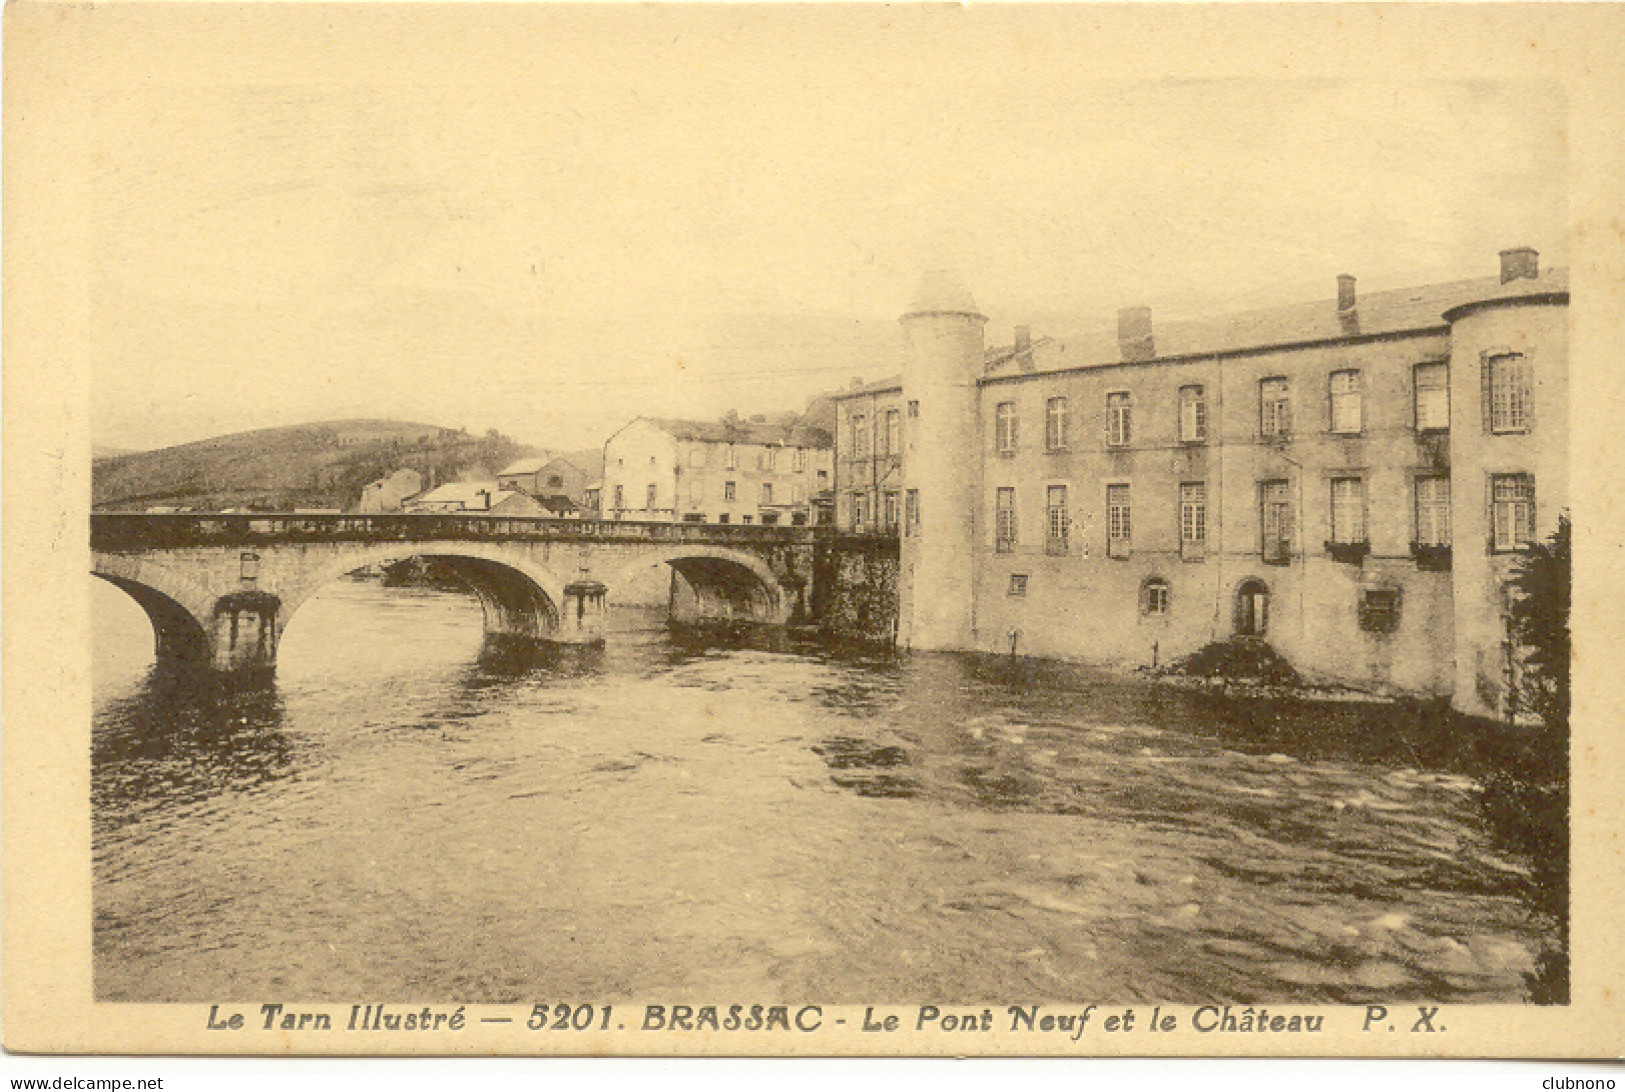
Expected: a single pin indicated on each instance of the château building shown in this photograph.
(1349, 480)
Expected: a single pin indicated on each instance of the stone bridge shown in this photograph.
(220, 589)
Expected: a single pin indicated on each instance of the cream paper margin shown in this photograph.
(54, 53)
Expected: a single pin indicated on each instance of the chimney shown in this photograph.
(1134, 334)
(1518, 263)
(1346, 298)
(1024, 348)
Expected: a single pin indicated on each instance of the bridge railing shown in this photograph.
(114, 531)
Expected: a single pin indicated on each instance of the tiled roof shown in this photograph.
(1375, 314)
(465, 493)
(523, 466)
(787, 429)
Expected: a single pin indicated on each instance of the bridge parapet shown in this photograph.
(124, 531)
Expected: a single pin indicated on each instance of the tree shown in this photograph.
(1526, 796)
(1539, 616)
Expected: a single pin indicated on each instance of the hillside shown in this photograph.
(321, 465)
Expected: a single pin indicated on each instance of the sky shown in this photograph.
(550, 222)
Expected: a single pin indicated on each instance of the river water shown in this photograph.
(401, 817)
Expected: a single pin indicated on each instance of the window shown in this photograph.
(1348, 511)
(696, 491)
(798, 492)
(555, 481)
(767, 492)
(1119, 422)
(1055, 425)
(1192, 415)
(651, 496)
(1432, 383)
(1512, 511)
(1004, 520)
(799, 460)
(767, 459)
(723, 517)
(1275, 516)
(1379, 610)
(1507, 377)
(860, 436)
(732, 461)
(620, 497)
(894, 433)
(823, 480)
(729, 490)
(889, 510)
(1117, 521)
(1154, 597)
(696, 456)
(1433, 511)
(1193, 519)
(1346, 408)
(911, 510)
(1004, 424)
(1018, 584)
(860, 510)
(1274, 408)
(1059, 521)
(914, 407)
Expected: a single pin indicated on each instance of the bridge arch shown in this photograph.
(178, 634)
(717, 583)
(517, 596)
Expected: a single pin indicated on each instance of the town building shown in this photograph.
(1350, 481)
(730, 471)
(389, 492)
(558, 484)
(474, 498)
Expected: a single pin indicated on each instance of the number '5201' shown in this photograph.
(567, 1018)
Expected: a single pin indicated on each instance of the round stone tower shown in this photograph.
(942, 468)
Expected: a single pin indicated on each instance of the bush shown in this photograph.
(1238, 661)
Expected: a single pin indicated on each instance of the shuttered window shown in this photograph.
(1506, 379)
(1192, 415)
(1432, 396)
(1118, 528)
(1004, 520)
(1512, 511)
(1275, 504)
(1274, 408)
(1192, 519)
(1348, 510)
(1347, 410)
(1433, 511)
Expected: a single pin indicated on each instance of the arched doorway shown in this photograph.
(1252, 608)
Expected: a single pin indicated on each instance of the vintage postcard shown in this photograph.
(758, 530)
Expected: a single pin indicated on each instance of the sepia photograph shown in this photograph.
(770, 530)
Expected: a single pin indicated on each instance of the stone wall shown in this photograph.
(855, 587)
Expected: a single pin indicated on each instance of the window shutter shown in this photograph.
(1486, 391)
(1528, 365)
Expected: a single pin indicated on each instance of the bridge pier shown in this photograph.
(244, 631)
(581, 617)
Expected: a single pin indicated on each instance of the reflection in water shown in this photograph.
(410, 812)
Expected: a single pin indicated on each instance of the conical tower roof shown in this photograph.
(941, 292)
